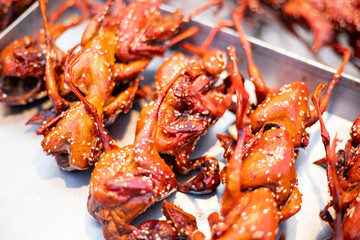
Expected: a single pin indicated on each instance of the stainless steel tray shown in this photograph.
(40, 201)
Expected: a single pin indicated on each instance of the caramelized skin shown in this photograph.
(125, 185)
(178, 225)
(64, 135)
(183, 108)
(66, 140)
(243, 221)
(184, 223)
(94, 70)
(23, 58)
(197, 99)
(271, 163)
(286, 108)
(207, 180)
(265, 165)
(127, 180)
(188, 110)
(23, 61)
(325, 18)
(243, 215)
(344, 181)
(144, 32)
(22, 91)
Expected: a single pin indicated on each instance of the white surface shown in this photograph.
(37, 199)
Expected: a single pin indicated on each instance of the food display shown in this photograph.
(343, 176)
(111, 54)
(324, 18)
(23, 60)
(122, 150)
(260, 178)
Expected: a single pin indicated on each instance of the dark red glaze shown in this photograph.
(260, 178)
(325, 18)
(344, 180)
(23, 61)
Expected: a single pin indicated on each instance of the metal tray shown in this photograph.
(40, 201)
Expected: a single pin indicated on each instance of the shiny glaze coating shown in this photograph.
(325, 18)
(23, 61)
(197, 99)
(242, 215)
(64, 135)
(145, 32)
(344, 181)
(127, 180)
(263, 155)
(96, 71)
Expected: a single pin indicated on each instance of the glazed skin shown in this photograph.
(185, 106)
(185, 115)
(127, 180)
(107, 60)
(105, 70)
(261, 161)
(260, 179)
(343, 177)
(64, 135)
(197, 99)
(325, 18)
(23, 60)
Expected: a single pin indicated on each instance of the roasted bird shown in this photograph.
(199, 97)
(127, 180)
(261, 163)
(343, 175)
(96, 71)
(325, 18)
(22, 62)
